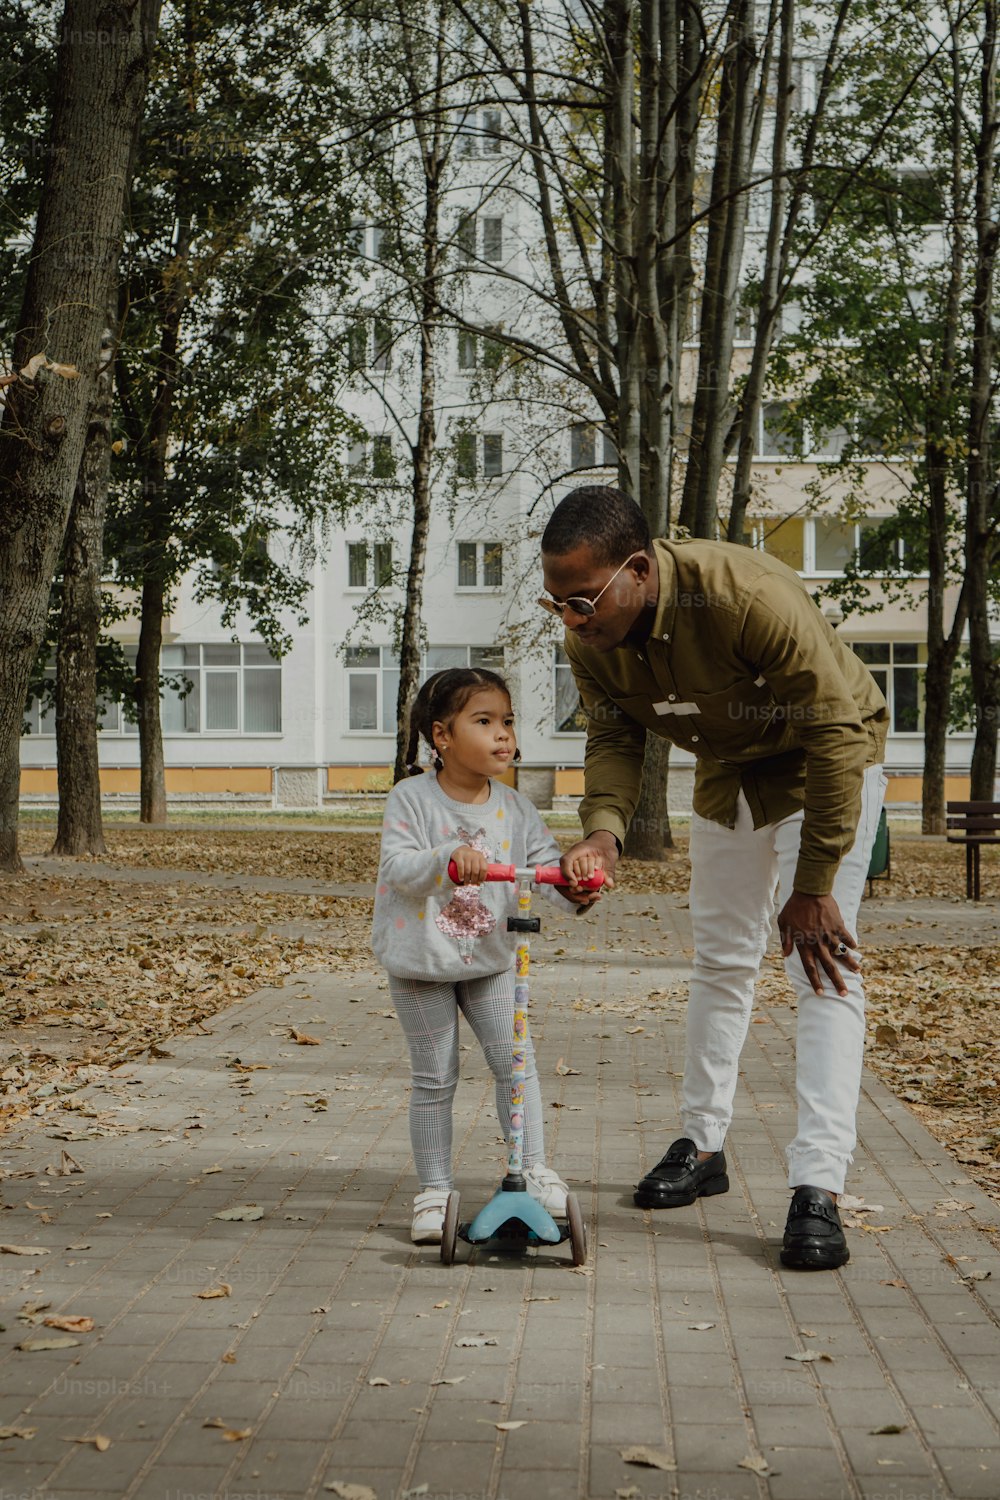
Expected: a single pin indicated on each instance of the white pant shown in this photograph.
(734, 876)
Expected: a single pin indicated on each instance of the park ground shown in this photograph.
(194, 1026)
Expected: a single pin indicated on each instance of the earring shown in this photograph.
(517, 756)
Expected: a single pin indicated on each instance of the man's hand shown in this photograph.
(814, 926)
(599, 852)
(470, 865)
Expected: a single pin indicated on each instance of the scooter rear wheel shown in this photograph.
(577, 1230)
(449, 1230)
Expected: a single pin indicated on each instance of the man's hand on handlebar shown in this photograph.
(599, 852)
(470, 865)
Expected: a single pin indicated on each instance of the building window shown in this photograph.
(782, 537)
(467, 350)
(465, 239)
(836, 544)
(480, 565)
(383, 345)
(372, 688)
(373, 680)
(222, 688)
(383, 460)
(568, 715)
(492, 127)
(465, 455)
(583, 446)
(779, 434)
(357, 346)
(493, 241)
(369, 566)
(492, 454)
(899, 668)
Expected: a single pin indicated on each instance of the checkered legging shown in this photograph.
(428, 1012)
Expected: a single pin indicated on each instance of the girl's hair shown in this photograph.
(440, 699)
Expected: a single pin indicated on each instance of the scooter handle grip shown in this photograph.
(537, 874)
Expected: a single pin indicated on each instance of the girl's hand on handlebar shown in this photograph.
(470, 865)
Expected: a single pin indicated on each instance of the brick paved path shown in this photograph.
(337, 1353)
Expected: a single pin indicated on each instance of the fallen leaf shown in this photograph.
(222, 1290)
(449, 1380)
(24, 1250)
(633, 1030)
(649, 1458)
(810, 1356)
(700, 1327)
(442, 1304)
(246, 1213)
(977, 1275)
(755, 1463)
(895, 1282)
(32, 1346)
(508, 1426)
(100, 1442)
(420, 1489)
(630, 1494)
(473, 1342)
(17, 1432)
(304, 1039)
(565, 1071)
(891, 1429)
(70, 1324)
(886, 1036)
(230, 1434)
(379, 1380)
(351, 1491)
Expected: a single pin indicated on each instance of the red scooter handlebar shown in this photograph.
(537, 874)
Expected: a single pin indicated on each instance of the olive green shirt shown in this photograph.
(741, 669)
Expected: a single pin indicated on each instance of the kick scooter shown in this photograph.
(512, 1219)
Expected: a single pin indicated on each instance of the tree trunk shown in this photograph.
(423, 448)
(723, 261)
(152, 784)
(79, 829)
(649, 831)
(98, 100)
(981, 497)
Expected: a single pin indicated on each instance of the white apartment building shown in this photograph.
(320, 723)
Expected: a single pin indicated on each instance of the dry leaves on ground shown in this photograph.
(94, 972)
(934, 1038)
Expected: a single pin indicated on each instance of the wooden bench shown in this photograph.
(975, 824)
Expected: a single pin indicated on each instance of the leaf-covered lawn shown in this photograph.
(95, 971)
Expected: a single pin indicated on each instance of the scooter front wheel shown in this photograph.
(577, 1230)
(449, 1230)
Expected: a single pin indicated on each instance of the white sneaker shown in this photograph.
(548, 1187)
(428, 1216)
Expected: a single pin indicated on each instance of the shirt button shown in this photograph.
(694, 739)
(671, 697)
(666, 635)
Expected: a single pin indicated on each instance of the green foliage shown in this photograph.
(236, 251)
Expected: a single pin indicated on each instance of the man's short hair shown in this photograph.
(599, 517)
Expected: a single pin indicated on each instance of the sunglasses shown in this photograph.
(579, 605)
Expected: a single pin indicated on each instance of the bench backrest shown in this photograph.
(974, 817)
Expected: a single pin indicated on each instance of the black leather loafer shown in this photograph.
(680, 1178)
(814, 1236)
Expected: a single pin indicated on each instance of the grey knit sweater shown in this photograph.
(424, 926)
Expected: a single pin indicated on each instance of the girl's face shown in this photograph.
(480, 738)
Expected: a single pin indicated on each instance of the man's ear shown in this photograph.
(641, 566)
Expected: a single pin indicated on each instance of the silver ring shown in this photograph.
(840, 949)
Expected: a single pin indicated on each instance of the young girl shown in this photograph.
(445, 946)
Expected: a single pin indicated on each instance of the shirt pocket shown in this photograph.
(741, 715)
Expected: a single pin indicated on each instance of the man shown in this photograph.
(721, 650)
